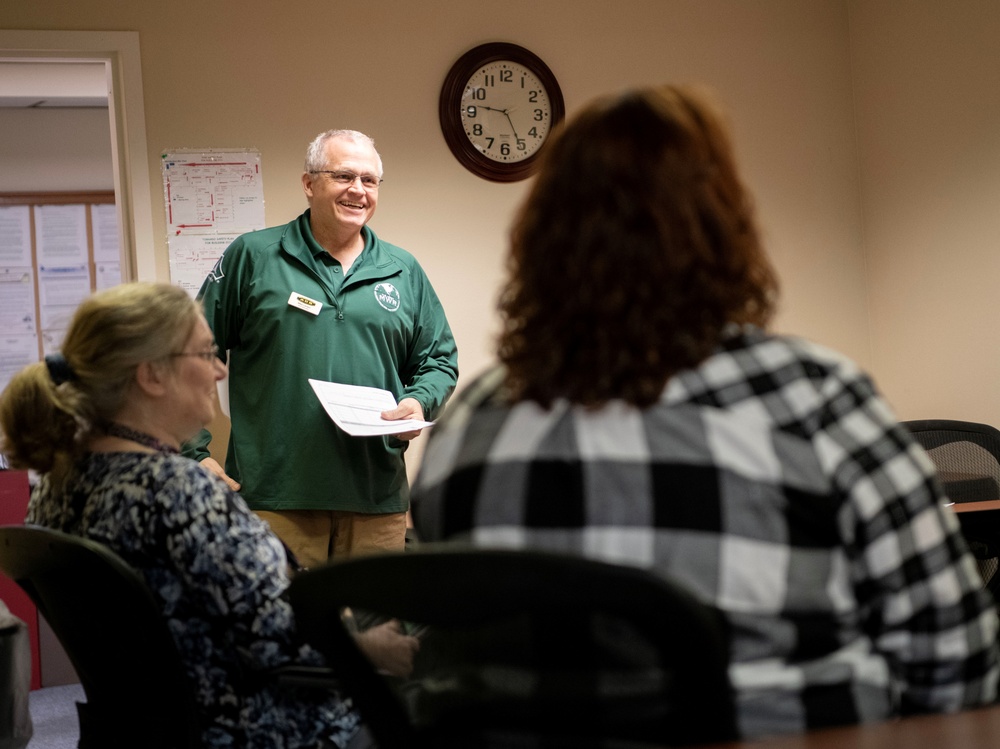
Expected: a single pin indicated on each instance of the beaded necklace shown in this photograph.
(113, 429)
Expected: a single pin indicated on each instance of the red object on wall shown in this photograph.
(13, 506)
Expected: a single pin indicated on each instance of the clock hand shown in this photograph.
(505, 113)
(512, 128)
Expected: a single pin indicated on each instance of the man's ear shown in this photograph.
(151, 377)
(307, 180)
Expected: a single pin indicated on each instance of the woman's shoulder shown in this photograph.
(773, 350)
(172, 483)
(187, 474)
(485, 390)
(753, 362)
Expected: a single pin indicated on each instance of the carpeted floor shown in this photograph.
(53, 713)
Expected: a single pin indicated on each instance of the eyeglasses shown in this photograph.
(368, 181)
(211, 355)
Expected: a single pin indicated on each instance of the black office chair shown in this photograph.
(967, 458)
(115, 636)
(524, 648)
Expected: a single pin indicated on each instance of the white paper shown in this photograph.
(60, 291)
(15, 235)
(107, 275)
(17, 301)
(16, 352)
(211, 197)
(212, 191)
(61, 235)
(104, 225)
(358, 409)
(193, 256)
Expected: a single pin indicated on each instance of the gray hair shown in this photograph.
(316, 152)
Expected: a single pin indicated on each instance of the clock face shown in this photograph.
(505, 112)
(498, 106)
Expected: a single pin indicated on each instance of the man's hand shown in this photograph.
(408, 408)
(213, 467)
(388, 648)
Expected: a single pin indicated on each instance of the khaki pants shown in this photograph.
(315, 536)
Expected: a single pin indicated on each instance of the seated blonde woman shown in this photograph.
(103, 422)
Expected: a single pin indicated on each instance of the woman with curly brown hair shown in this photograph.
(631, 256)
(642, 415)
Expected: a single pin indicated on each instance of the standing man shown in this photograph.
(322, 297)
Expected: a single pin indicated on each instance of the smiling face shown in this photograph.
(339, 210)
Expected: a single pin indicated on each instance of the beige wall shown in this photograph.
(927, 87)
(47, 150)
(271, 75)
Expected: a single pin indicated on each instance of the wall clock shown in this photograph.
(499, 104)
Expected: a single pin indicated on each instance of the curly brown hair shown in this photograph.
(634, 249)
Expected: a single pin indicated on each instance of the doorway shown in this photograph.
(119, 52)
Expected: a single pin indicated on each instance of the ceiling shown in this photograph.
(39, 84)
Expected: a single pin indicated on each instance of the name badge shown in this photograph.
(305, 303)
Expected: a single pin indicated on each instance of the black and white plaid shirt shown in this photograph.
(777, 484)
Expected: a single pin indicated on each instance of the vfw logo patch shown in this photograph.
(216, 274)
(387, 296)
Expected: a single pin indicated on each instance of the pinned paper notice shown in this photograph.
(358, 409)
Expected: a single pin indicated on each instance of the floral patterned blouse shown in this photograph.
(219, 574)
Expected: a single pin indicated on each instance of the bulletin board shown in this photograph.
(55, 249)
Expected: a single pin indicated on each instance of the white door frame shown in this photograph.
(120, 52)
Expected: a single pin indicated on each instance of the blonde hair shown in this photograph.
(45, 421)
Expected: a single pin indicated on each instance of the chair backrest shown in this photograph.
(967, 458)
(966, 455)
(558, 650)
(115, 635)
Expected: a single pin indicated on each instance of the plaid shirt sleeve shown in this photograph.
(922, 598)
